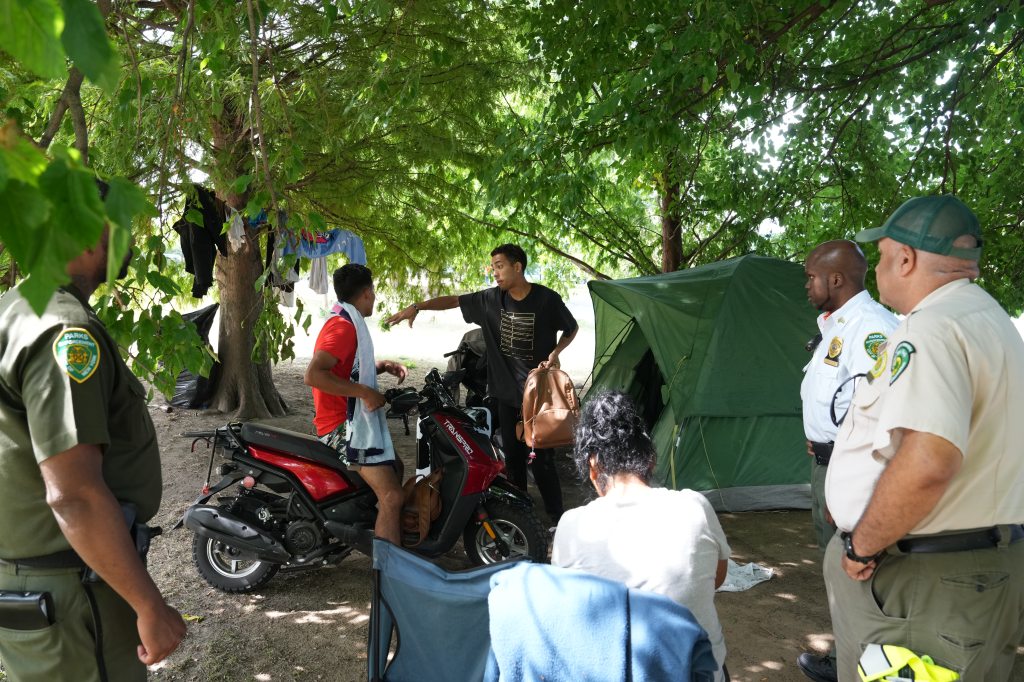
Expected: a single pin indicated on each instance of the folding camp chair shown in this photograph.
(551, 623)
(438, 618)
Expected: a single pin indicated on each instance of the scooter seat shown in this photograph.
(299, 444)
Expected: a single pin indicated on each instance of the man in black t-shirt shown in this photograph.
(520, 321)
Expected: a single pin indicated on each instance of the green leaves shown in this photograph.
(124, 201)
(41, 34)
(53, 213)
(85, 39)
(30, 32)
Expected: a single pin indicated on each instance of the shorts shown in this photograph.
(337, 440)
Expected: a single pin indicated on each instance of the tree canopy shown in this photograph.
(609, 138)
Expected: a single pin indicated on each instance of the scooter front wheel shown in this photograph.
(518, 534)
(222, 567)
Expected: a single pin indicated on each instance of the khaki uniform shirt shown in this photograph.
(851, 339)
(63, 383)
(955, 369)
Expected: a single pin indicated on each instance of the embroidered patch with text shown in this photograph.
(873, 344)
(835, 349)
(77, 353)
(901, 360)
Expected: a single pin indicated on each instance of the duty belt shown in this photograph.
(985, 538)
(822, 452)
(66, 558)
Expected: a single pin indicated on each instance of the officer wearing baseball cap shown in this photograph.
(926, 482)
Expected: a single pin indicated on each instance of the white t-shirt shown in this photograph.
(663, 541)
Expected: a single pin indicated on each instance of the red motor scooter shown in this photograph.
(297, 505)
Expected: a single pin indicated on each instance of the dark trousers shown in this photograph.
(516, 457)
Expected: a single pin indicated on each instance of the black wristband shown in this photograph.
(851, 554)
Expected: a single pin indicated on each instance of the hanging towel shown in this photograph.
(319, 280)
(236, 232)
(368, 438)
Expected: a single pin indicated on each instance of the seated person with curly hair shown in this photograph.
(664, 541)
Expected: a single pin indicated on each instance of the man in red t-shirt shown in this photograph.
(329, 374)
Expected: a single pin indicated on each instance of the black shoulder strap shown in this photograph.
(835, 396)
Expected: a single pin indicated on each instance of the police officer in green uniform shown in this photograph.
(77, 447)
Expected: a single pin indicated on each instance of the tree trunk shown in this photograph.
(245, 388)
(671, 236)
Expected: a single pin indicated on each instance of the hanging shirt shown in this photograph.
(200, 243)
(320, 244)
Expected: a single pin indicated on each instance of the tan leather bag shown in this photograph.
(550, 409)
(421, 506)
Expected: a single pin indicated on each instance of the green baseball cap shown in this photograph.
(930, 224)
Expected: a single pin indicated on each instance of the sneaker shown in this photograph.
(818, 668)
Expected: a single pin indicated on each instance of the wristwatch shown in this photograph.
(853, 556)
(415, 307)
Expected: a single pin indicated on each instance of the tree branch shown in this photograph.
(257, 112)
(71, 89)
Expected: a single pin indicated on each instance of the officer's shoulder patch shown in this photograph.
(880, 365)
(901, 360)
(77, 353)
(873, 344)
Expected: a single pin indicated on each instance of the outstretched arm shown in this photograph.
(410, 312)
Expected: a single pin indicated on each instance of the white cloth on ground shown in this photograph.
(742, 577)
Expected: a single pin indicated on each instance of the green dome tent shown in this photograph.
(713, 356)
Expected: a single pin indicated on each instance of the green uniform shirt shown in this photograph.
(63, 383)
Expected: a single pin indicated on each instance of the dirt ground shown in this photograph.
(313, 625)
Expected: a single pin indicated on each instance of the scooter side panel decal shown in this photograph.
(481, 467)
(319, 481)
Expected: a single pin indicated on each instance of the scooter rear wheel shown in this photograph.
(521, 531)
(220, 565)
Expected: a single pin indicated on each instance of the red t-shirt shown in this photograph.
(338, 337)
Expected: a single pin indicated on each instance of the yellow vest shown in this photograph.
(885, 662)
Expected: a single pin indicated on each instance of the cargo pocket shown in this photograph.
(33, 654)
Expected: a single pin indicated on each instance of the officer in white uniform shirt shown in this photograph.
(853, 330)
(927, 478)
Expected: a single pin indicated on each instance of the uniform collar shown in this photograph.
(940, 293)
(840, 315)
(73, 290)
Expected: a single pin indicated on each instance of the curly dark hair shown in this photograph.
(612, 432)
(350, 280)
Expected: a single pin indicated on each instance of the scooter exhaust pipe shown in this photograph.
(211, 522)
(360, 538)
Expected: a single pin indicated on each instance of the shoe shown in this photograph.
(818, 668)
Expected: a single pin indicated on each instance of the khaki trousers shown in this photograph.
(823, 530)
(964, 609)
(65, 651)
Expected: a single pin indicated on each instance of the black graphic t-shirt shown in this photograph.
(519, 334)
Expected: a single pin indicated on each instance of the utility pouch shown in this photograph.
(26, 610)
